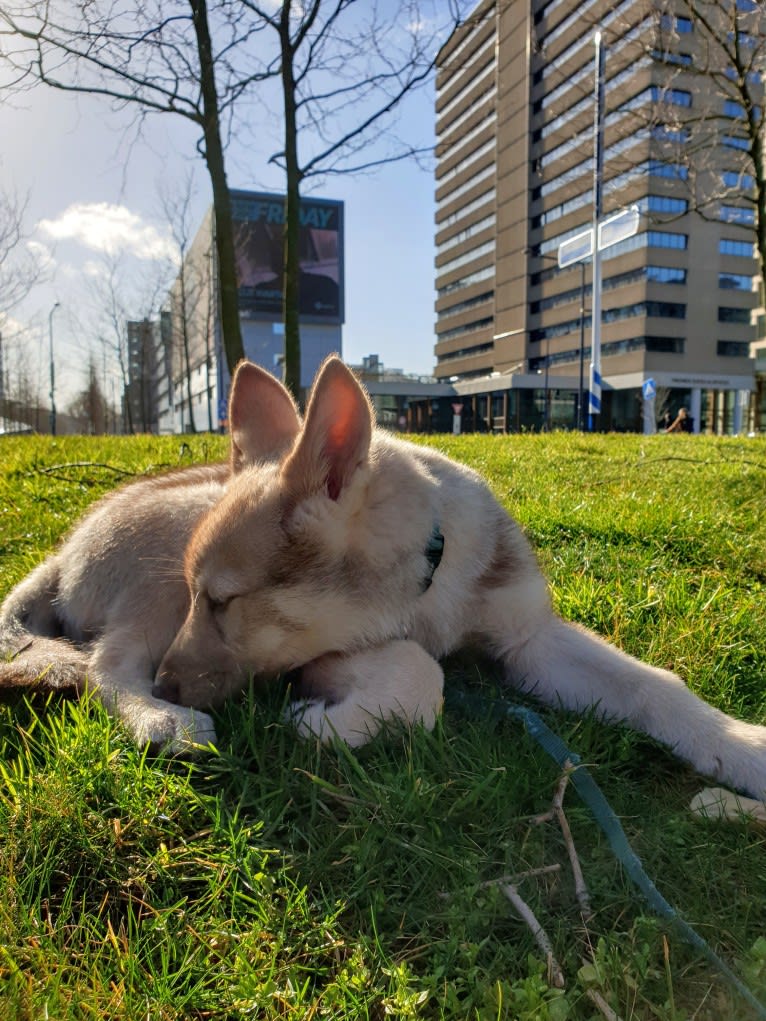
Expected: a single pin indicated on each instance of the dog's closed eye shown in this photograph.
(217, 604)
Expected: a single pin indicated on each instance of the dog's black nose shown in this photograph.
(166, 689)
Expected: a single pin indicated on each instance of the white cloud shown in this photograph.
(12, 328)
(109, 228)
(93, 269)
(42, 255)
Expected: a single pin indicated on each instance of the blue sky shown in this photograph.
(91, 188)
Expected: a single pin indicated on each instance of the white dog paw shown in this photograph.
(346, 720)
(309, 718)
(175, 729)
(397, 681)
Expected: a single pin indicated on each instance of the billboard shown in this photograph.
(258, 239)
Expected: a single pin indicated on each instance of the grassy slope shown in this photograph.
(281, 880)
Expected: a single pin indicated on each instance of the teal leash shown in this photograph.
(604, 815)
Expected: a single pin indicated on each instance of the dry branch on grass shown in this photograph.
(509, 888)
(556, 811)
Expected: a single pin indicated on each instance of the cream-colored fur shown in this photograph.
(102, 611)
(324, 552)
(354, 695)
(104, 608)
(310, 551)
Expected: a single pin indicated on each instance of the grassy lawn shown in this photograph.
(282, 880)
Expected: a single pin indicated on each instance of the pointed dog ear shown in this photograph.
(263, 418)
(336, 435)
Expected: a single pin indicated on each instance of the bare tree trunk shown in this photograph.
(224, 231)
(291, 277)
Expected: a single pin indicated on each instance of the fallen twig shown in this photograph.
(556, 975)
(528, 874)
(600, 1003)
(556, 811)
(504, 880)
(50, 469)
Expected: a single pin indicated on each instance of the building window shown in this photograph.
(738, 214)
(461, 138)
(726, 314)
(658, 309)
(726, 246)
(666, 57)
(666, 239)
(479, 178)
(472, 278)
(445, 131)
(487, 68)
(666, 275)
(745, 39)
(470, 207)
(459, 331)
(653, 274)
(676, 171)
(466, 233)
(676, 97)
(568, 115)
(461, 260)
(735, 282)
(733, 109)
(473, 157)
(738, 179)
(467, 40)
(665, 345)
(465, 352)
(562, 298)
(673, 22)
(556, 212)
(663, 204)
(463, 306)
(666, 309)
(576, 16)
(752, 77)
(733, 349)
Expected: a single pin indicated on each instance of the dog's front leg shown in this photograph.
(352, 696)
(121, 676)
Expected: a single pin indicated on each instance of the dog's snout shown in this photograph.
(166, 688)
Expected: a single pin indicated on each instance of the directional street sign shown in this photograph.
(617, 227)
(576, 249)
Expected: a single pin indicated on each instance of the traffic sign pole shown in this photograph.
(592, 241)
(594, 396)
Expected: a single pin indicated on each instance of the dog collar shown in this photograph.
(433, 554)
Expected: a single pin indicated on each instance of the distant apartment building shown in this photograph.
(145, 355)
(514, 179)
(194, 378)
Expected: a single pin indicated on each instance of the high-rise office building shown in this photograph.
(515, 112)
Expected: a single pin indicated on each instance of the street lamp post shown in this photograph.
(53, 370)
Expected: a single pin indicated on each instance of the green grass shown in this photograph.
(281, 880)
